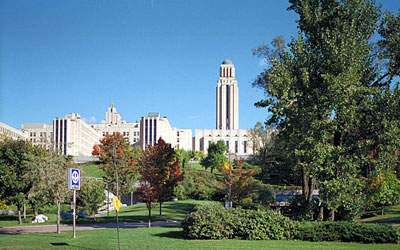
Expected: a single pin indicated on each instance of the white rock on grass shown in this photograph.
(40, 219)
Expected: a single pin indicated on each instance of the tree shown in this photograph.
(92, 196)
(385, 190)
(184, 156)
(16, 157)
(237, 180)
(125, 161)
(325, 92)
(215, 156)
(48, 175)
(160, 174)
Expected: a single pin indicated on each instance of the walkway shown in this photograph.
(63, 227)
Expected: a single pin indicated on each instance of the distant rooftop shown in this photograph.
(153, 114)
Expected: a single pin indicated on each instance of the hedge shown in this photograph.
(215, 222)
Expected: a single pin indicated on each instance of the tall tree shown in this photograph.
(160, 171)
(215, 156)
(16, 157)
(325, 92)
(48, 175)
(126, 157)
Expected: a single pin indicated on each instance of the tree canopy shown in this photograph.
(332, 97)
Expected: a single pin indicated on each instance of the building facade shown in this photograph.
(153, 126)
(13, 133)
(114, 124)
(73, 136)
(39, 133)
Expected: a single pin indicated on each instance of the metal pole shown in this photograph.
(73, 216)
(108, 198)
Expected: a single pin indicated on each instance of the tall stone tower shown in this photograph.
(227, 115)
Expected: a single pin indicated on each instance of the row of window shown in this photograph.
(42, 134)
(124, 133)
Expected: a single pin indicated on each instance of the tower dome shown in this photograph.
(227, 61)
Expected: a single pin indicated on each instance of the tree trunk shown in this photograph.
(310, 189)
(331, 215)
(58, 216)
(149, 223)
(19, 216)
(305, 184)
(321, 213)
(160, 210)
(24, 211)
(382, 210)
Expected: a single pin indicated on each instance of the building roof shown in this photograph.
(227, 61)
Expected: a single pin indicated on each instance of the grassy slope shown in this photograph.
(91, 170)
(158, 238)
(391, 215)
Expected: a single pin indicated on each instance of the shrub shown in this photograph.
(216, 222)
(347, 232)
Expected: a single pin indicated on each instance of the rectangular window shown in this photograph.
(236, 147)
(227, 145)
(245, 147)
(127, 133)
(151, 133)
(146, 133)
(155, 131)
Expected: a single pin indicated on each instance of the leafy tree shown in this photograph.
(184, 156)
(385, 190)
(160, 174)
(215, 156)
(91, 195)
(237, 181)
(332, 97)
(125, 160)
(16, 157)
(48, 175)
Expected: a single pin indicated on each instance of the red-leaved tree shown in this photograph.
(160, 174)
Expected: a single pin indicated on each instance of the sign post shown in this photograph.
(74, 184)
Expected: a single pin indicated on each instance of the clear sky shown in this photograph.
(59, 57)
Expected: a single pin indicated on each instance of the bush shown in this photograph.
(201, 185)
(216, 222)
(347, 232)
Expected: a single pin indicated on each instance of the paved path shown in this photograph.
(63, 227)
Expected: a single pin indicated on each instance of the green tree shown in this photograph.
(385, 190)
(48, 175)
(325, 91)
(215, 156)
(91, 195)
(16, 157)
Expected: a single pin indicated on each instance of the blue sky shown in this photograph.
(58, 57)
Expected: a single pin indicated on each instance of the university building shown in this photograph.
(73, 136)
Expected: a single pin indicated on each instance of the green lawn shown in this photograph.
(158, 238)
(92, 170)
(391, 215)
(172, 211)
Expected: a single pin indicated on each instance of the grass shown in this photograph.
(92, 170)
(391, 215)
(172, 211)
(158, 238)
